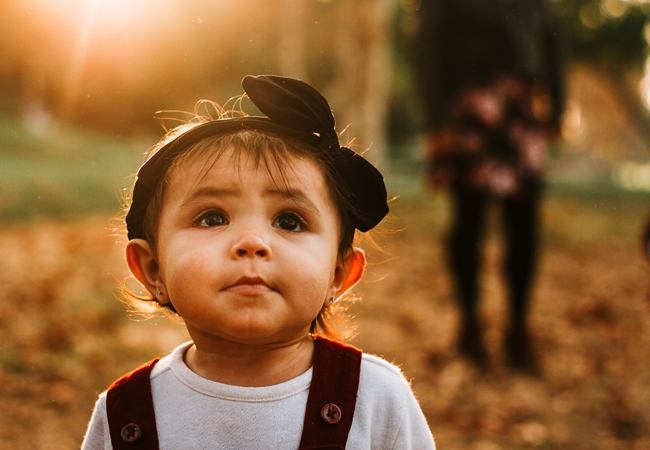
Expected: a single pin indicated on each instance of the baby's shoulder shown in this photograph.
(374, 362)
(379, 372)
(385, 399)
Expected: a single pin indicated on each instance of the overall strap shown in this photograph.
(129, 408)
(332, 396)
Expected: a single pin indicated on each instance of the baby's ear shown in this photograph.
(349, 271)
(143, 265)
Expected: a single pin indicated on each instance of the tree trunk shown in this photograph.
(358, 43)
(360, 90)
(292, 59)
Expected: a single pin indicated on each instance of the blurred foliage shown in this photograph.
(604, 32)
(113, 73)
(111, 65)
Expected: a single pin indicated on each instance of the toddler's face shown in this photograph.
(246, 254)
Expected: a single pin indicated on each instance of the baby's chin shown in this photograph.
(260, 334)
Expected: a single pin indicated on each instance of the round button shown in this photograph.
(131, 432)
(331, 413)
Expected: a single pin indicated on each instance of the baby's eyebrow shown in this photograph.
(297, 195)
(208, 192)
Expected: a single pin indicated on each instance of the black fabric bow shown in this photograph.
(292, 108)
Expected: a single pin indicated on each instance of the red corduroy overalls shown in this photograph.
(328, 418)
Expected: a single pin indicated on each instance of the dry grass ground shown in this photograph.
(590, 315)
(64, 335)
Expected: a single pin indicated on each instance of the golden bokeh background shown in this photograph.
(80, 82)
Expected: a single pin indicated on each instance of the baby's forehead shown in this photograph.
(238, 165)
(242, 159)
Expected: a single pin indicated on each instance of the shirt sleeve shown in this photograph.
(387, 415)
(97, 435)
(414, 432)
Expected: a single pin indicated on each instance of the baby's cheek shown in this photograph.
(315, 279)
(186, 273)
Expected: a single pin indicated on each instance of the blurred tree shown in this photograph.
(613, 36)
(605, 32)
(343, 48)
(363, 68)
(111, 64)
(293, 23)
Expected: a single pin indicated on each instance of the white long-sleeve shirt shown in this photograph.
(195, 413)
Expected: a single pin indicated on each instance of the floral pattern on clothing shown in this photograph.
(492, 142)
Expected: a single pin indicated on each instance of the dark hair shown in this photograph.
(267, 150)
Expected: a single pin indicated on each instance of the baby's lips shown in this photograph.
(250, 286)
(250, 289)
(249, 280)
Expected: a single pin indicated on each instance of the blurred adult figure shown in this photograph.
(491, 83)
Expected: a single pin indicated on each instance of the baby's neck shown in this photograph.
(251, 366)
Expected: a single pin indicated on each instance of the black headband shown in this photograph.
(295, 109)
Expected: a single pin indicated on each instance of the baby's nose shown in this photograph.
(251, 245)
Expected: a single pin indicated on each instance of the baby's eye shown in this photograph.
(289, 221)
(212, 219)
